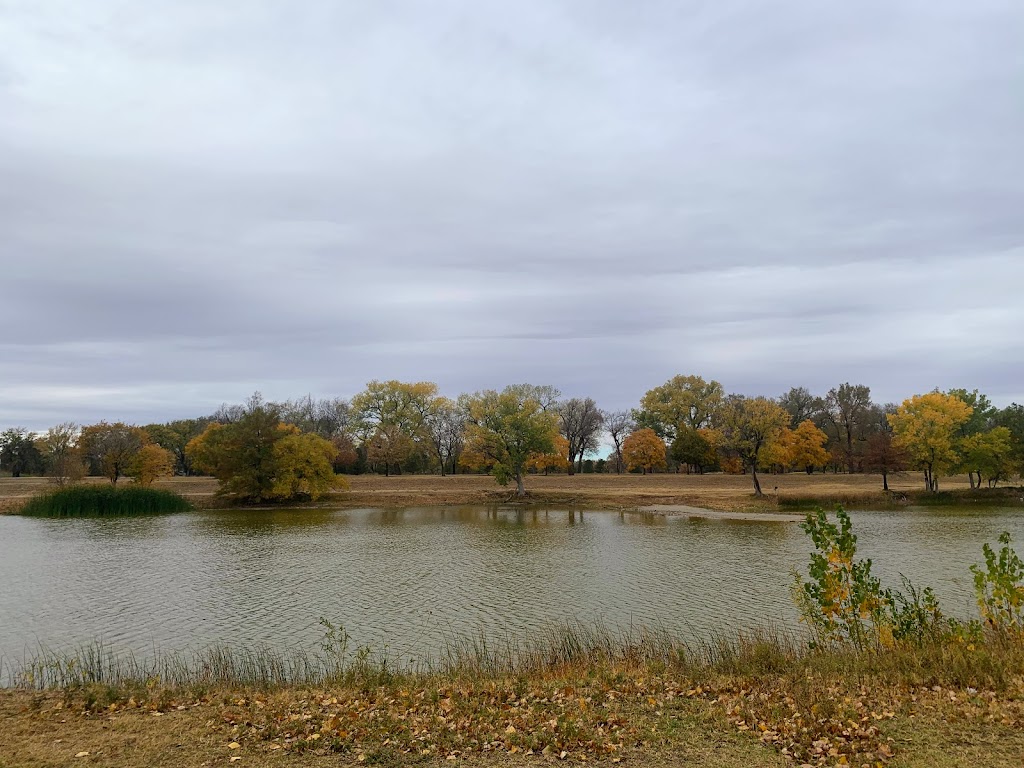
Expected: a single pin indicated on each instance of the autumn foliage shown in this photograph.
(644, 450)
(258, 458)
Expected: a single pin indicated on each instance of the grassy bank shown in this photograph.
(103, 501)
(575, 693)
(1007, 496)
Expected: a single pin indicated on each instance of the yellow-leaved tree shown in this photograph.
(644, 450)
(807, 447)
(150, 463)
(305, 467)
(749, 425)
(925, 426)
(556, 459)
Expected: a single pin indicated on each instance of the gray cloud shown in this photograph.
(198, 201)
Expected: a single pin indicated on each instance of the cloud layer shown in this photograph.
(203, 200)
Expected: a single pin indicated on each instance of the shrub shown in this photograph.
(844, 603)
(999, 587)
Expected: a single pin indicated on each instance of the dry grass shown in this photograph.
(39, 731)
(713, 491)
(759, 702)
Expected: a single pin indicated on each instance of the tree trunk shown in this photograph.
(520, 489)
(757, 484)
(885, 480)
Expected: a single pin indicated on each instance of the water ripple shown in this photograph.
(414, 577)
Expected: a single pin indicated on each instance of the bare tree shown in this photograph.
(446, 426)
(59, 448)
(581, 423)
(329, 418)
(618, 424)
(849, 411)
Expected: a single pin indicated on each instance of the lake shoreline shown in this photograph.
(790, 494)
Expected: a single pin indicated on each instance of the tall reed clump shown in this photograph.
(104, 501)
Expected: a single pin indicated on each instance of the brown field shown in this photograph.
(712, 491)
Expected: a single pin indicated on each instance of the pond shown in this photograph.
(412, 578)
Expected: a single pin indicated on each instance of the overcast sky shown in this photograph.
(199, 200)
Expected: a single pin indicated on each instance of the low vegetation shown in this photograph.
(103, 501)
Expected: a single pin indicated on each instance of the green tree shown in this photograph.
(504, 428)
(254, 460)
(747, 426)
(692, 448)
(18, 452)
(681, 401)
(1012, 417)
(982, 414)
(175, 436)
(989, 454)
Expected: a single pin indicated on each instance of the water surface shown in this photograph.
(411, 578)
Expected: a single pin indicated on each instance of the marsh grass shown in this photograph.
(570, 651)
(104, 501)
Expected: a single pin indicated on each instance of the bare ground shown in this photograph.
(729, 493)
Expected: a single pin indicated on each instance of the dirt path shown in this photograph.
(682, 510)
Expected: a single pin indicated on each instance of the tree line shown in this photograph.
(299, 448)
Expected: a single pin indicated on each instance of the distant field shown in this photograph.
(714, 491)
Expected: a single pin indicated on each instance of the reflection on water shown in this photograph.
(412, 577)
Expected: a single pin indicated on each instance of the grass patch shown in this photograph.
(1005, 496)
(104, 501)
(575, 691)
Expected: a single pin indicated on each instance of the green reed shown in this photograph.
(104, 501)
